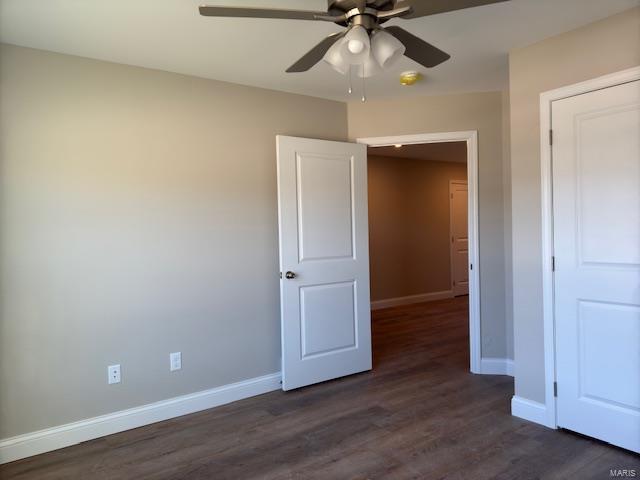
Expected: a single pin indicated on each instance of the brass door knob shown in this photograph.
(289, 275)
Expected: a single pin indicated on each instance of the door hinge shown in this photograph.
(280, 275)
(553, 264)
(551, 137)
(471, 266)
(555, 389)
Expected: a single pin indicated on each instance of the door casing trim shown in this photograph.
(546, 100)
(471, 139)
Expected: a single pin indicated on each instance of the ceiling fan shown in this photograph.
(364, 42)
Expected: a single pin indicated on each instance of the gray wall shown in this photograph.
(604, 47)
(474, 111)
(137, 218)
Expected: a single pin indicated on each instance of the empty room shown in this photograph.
(319, 239)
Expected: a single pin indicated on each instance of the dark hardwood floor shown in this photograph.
(418, 415)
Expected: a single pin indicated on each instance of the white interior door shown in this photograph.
(324, 260)
(596, 196)
(459, 221)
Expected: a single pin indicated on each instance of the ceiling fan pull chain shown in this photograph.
(364, 85)
(350, 81)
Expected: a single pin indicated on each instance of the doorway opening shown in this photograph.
(423, 246)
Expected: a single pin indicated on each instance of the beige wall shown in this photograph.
(473, 111)
(604, 47)
(409, 223)
(137, 218)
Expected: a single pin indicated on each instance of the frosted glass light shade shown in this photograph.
(386, 48)
(335, 58)
(356, 45)
(369, 68)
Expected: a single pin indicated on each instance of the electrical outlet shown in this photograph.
(114, 374)
(175, 361)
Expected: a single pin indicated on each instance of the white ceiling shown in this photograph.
(438, 152)
(170, 35)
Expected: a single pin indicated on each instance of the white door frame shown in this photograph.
(451, 249)
(546, 99)
(471, 139)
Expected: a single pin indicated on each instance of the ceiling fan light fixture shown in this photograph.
(386, 48)
(335, 58)
(356, 45)
(363, 20)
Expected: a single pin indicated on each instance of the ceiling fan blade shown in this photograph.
(381, 3)
(316, 54)
(422, 8)
(417, 49)
(211, 11)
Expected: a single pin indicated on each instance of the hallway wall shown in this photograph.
(409, 244)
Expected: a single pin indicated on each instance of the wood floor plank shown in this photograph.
(419, 414)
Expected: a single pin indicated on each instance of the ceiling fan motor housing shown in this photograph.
(358, 12)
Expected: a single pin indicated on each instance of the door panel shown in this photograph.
(459, 218)
(608, 175)
(324, 242)
(325, 209)
(596, 195)
(328, 318)
(601, 344)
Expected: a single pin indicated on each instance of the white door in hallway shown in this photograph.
(324, 260)
(459, 225)
(596, 198)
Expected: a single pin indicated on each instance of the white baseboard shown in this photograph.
(34, 443)
(496, 366)
(529, 410)
(422, 297)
